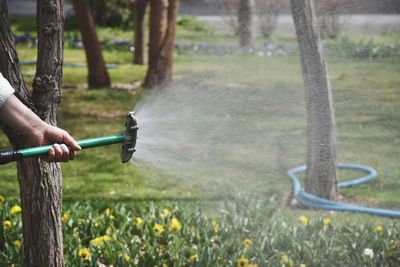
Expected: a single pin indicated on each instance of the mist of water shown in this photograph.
(211, 134)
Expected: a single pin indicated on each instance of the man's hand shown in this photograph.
(37, 132)
(64, 148)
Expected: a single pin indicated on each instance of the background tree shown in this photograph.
(40, 182)
(163, 14)
(245, 23)
(97, 71)
(321, 140)
(267, 12)
(328, 15)
(140, 14)
(229, 7)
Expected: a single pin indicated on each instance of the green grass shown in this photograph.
(366, 109)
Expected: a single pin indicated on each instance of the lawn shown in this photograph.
(241, 183)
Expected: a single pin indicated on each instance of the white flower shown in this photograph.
(368, 253)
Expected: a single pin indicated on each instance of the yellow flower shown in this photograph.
(139, 223)
(98, 241)
(158, 228)
(96, 224)
(16, 209)
(17, 243)
(286, 261)
(84, 254)
(7, 224)
(175, 225)
(108, 230)
(65, 218)
(247, 242)
(107, 211)
(378, 229)
(302, 265)
(326, 221)
(127, 258)
(242, 262)
(215, 226)
(165, 213)
(194, 258)
(304, 220)
(2, 199)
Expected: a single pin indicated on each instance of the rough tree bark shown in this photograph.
(140, 12)
(163, 14)
(245, 20)
(321, 137)
(40, 182)
(97, 72)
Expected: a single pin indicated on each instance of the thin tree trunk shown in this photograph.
(245, 20)
(40, 182)
(140, 11)
(163, 16)
(321, 136)
(97, 72)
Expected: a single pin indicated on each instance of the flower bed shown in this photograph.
(178, 234)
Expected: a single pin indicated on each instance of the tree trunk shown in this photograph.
(40, 182)
(321, 137)
(140, 11)
(245, 20)
(163, 15)
(97, 72)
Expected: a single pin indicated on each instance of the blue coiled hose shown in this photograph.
(312, 201)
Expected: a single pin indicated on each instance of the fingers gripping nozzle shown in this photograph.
(130, 134)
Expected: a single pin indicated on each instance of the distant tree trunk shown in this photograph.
(267, 12)
(40, 182)
(328, 14)
(140, 11)
(321, 137)
(230, 8)
(97, 72)
(163, 15)
(245, 20)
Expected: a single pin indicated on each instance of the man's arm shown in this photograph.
(37, 132)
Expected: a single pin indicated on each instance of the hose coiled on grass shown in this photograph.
(315, 202)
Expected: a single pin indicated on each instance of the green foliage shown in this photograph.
(112, 13)
(22, 25)
(191, 23)
(180, 234)
(347, 47)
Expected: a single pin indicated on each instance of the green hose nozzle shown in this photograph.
(127, 138)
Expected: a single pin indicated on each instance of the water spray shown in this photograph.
(127, 138)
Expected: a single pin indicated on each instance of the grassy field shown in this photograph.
(366, 94)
